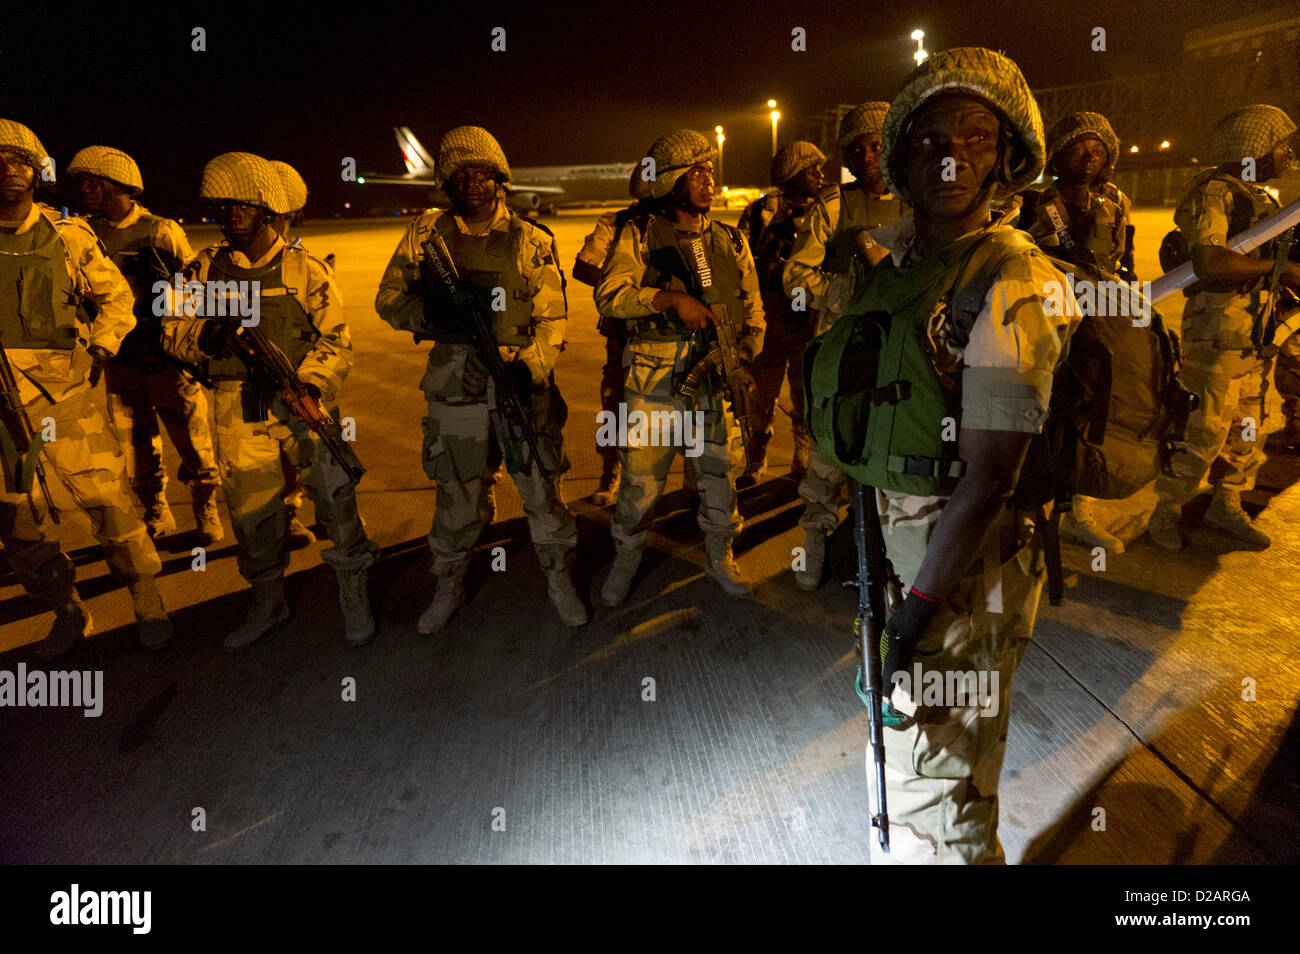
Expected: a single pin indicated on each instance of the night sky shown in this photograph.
(578, 83)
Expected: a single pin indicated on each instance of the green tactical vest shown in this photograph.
(876, 403)
(132, 250)
(38, 303)
(283, 314)
(487, 262)
(665, 268)
(857, 213)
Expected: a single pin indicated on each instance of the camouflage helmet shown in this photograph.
(1082, 125)
(1249, 133)
(860, 121)
(243, 177)
(794, 159)
(16, 136)
(974, 71)
(637, 187)
(108, 163)
(674, 154)
(469, 146)
(295, 189)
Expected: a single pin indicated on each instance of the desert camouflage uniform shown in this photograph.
(54, 387)
(593, 252)
(248, 452)
(458, 432)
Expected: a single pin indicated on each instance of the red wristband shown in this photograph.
(927, 598)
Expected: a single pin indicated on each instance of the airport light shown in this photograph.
(1132, 148)
(361, 180)
(721, 139)
(920, 55)
(1164, 144)
(775, 116)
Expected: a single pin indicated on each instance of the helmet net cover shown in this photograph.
(1249, 133)
(243, 177)
(295, 189)
(469, 146)
(108, 163)
(1082, 125)
(793, 159)
(14, 135)
(673, 154)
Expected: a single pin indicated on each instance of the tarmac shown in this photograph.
(1153, 719)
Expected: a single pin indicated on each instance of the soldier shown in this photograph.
(142, 382)
(648, 281)
(1084, 218)
(832, 252)
(951, 532)
(586, 269)
(300, 311)
(52, 276)
(1222, 363)
(771, 224)
(295, 193)
(496, 250)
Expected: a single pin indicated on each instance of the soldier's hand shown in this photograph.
(751, 379)
(474, 379)
(313, 390)
(214, 337)
(98, 358)
(694, 313)
(1291, 275)
(903, 631)
(522, 379)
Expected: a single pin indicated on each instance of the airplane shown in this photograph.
(532, 189)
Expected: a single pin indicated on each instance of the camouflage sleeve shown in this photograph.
(596, 247)
(541, 270)
(803, 268)
(751, 342)
(330, 358)
(399, 301)
(1014, 347)
(180, 332)
(174, 246)
(97, 280)
(619, 294)
(1203, 217)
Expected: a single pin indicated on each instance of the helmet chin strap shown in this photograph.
(684, 205)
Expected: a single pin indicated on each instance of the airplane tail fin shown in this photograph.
(417, 159)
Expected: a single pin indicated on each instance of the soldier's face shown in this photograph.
(863, 155)
(952, 149)
(808, 182)
(696, 186)
(241, 223)
(16, 176)
(472, 188)
(1081, 160)
(1279, 159)
(94, 191)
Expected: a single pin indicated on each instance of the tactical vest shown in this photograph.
(488, 262)
(1247, 206)
(38, 301)
(876, 402)
(134, 251)
(772, 244)
(282, 306)
(1042, 216)
(666, 268)
(857, 213)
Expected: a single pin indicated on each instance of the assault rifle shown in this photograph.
(723, 357)
(869, 628)
(268, 365)
(27, 444)
(1264, 327)
(512, 423)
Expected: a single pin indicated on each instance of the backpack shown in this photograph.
(1115, 410)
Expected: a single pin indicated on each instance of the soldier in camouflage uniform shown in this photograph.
(495, 250)
(300, 312)
(832, 252)
(771, 224)
(1222, 363)
(1083, 217)
(52, 275)
(297, 534)
(952, 535)
(142, 382)
(647, 282)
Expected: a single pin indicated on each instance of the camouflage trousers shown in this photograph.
(293, 492)
(459, 443)
(611, 393)
(942, 765)
(1231, 387)
(248, 454)
(86, 457)
(781, 359)
(823, 490)
(137, 398)
(1287, 379)
(648, 388)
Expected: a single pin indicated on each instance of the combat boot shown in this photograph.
(1163, 528)
(268, 611)
(155, 629)
(1082, 526)
(354, 601)
(621, 574)
(296, 533)
(72, 623)
(449, 598)
(802, 447)
(158, 517)
(565, 599)
(754, 476)
(1225, 515)
(607, 493)
(207, 516)
(722, 566)
(814, 555)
